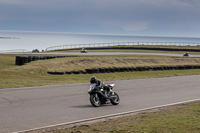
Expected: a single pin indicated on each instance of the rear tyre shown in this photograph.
(95, 100)
(115, 100)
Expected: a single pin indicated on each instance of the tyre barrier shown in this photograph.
(112, 70)
(129, 69)
(56, 73)
(116, 69)
(102, 70)
(107, 70)
(18, 60)
(139, 68)
(83, 72)
(30, 58)
(95, 70)
(68, 72)
(126, 69)
(90, 71)
(21, 60)
(121, 69)
(76, 72)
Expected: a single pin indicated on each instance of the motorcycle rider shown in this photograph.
(100, 84)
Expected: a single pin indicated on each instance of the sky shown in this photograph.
(135, 17)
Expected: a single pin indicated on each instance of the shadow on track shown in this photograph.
(90, 106)
(82, 106)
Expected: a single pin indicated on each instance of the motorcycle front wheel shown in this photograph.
(95, 100)
(115, 100)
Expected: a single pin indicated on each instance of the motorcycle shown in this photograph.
(100, 96)
(185, 55)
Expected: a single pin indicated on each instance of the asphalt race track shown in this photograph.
(103, 53)
(34, 107)
(122, 53)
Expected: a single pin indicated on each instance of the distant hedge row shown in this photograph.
(127, 69)
(21, 60)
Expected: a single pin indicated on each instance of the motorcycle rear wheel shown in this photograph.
(95, 100)
(116, 100)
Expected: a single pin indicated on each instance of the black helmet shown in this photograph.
(93, 80)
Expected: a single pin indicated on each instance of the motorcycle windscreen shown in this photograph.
(92, 87)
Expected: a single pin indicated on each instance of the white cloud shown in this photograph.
(130, 15)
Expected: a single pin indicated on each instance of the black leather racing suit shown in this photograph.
(103, 86)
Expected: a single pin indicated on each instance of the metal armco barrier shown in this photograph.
(74, 46)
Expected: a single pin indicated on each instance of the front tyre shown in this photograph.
(115, 100)
(95, 100)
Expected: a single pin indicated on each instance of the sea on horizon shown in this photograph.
(12, 40)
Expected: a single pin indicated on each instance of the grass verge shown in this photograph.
(35, 73)
(173, 119)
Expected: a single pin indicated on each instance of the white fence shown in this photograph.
(73, 46)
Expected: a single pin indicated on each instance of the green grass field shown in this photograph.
(178, 119)
(35, 73)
